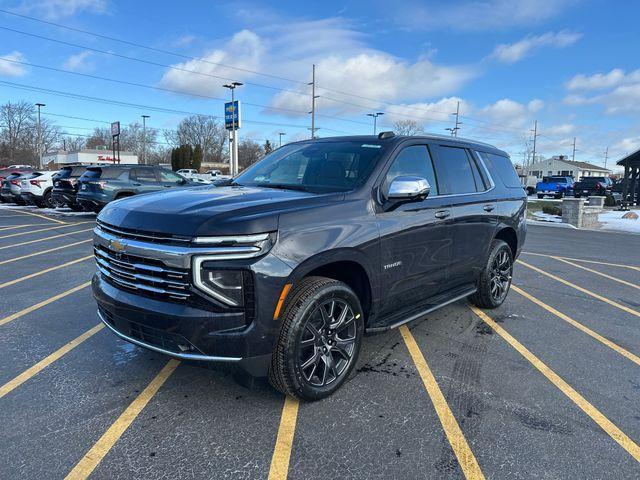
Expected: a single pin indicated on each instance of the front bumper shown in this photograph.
(30, 198)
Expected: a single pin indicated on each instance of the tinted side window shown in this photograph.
(455, 171)
(502, 167)
(169, 176)
(143, 175)
(415, 161)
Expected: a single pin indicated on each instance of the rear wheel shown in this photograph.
(495, 280)
(47, 200)
(322, 329)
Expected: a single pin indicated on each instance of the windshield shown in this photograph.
(317, 167)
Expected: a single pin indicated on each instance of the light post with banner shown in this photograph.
(232, 123)
(115, 141)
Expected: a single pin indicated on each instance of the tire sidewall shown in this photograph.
(498, 246)
(335, 290)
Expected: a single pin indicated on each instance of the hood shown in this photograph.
(210, 210)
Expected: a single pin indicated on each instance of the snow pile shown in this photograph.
(547, 217)
(612, 220)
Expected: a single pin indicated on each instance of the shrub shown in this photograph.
(609, 201)
(552, 210)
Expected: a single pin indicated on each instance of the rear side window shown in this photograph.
(413, 161)
(501, 166)
(455, 170)
(92, 174)
(77, 171)
(144, 175)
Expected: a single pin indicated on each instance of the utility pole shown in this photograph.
(573, 155)
(144, 138)
(313, 102)
(535, 138)
(234, 157)
(606, 156)
(40, 105)
(454, 130)
(280, 134)
(375, 118)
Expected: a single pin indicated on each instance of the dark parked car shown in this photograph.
(592, 186)
(101, 185)
(65, 186)
(283, 271)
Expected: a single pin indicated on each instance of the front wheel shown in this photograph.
(540, 196)
(319, 343)
(495, 280)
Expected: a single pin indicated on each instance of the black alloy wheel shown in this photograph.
(495, 279)
(501, 270)
(319, 341)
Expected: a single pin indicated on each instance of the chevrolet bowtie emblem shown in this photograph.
(116, 246)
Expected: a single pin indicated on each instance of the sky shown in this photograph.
(572, 65)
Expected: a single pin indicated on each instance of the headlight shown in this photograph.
(224, 285)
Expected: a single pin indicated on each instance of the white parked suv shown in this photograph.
(35, 189)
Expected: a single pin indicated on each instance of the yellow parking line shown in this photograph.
(25, 225)
(583, 290)
(15, 259)
(466, 459)
(284, 442)
(42, 364)
(632, 267)
(32, 308)
(628, 284)
(23, 212)
(625, 353)
(90, 461)
(609, 427)
(43, 229)
(44, 239)
(42, 272)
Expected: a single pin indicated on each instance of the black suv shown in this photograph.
(283, 271)
(592, 186)
(65, 186)
(101, 185)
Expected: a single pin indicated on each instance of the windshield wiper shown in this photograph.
(284, 186)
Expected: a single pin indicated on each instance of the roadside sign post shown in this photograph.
(232, 122)
(115, 141)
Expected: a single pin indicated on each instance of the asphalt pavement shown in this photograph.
(546, 386)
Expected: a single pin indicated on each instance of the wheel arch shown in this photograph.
(508, 235)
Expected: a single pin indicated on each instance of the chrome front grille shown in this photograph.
(143, 275)
(143, 236)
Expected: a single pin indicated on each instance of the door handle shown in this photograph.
(442, 214)
(489, 208)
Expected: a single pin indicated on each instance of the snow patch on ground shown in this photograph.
(64, 211)
(547, 217)
(612, 220)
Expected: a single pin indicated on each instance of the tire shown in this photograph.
(560, 195)
(309, 337)
(499, 267)
(540, 196)
(47, 200)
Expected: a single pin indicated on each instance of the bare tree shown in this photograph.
(100, 138)
(407, 127)
(16, 120)
(72, 144)
(204, 131)
(249, 152)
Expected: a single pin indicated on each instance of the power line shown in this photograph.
(146, 47)
(141, 106)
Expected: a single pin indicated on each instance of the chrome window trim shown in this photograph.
(182, 356)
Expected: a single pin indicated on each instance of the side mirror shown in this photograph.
(408, 188)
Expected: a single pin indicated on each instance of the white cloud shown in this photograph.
(429, 112)
(10, 69)
(561, 129)
(184, 41)
(477, 15)
(510, 113)
(78, 62)
(244, 50)
(626, 145)
(620, 91)
(56, 9)
(601, 81)
(513, 52)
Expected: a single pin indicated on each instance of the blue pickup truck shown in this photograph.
(555, 185)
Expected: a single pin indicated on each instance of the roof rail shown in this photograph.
(385, 135)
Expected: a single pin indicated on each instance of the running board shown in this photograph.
(420, 314)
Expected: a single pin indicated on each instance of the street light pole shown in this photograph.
(375, 117)
(39, 105)
(144, 139)
(280, 134)
(234, 157)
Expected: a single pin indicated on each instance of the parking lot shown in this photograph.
(547, 386)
